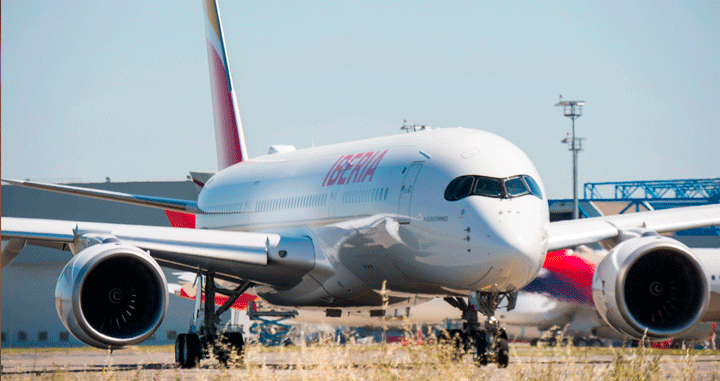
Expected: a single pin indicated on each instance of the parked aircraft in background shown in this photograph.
(393, 221)
(567, 279)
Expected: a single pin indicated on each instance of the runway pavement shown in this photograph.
(360, 363)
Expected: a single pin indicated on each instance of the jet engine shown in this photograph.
(111, 295)
(651, 286)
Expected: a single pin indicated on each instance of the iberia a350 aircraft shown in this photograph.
(444, 212)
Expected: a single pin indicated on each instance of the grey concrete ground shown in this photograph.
(360, 363)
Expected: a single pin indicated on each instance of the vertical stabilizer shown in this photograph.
(229, 136)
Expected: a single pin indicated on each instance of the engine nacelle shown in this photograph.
(111, 296)
(651, 286)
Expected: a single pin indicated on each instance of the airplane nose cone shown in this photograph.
(515, 231)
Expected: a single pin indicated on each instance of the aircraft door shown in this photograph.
(411, 175)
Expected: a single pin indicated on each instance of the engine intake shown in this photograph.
(651, 286)
(111, 295)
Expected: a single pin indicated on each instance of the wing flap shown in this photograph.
(566, 234)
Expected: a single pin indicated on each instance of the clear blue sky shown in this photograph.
(120, 89)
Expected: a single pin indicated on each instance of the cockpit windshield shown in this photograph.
(486, 186)
(510, 187)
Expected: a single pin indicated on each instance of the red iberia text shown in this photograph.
(355, 168)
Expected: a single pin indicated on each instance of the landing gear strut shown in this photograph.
(487, 342)
(204, 341)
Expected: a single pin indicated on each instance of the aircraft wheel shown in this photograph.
(458, 344)
(191, 350)
(235, 347)
(180, 350)
(480, 349)
(503, 353)
(451, 344)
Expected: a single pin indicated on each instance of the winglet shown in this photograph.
(229, 136)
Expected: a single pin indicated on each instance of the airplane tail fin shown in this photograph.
(229, 136)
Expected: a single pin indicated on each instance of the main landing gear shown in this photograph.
(488, 342)
(204, 341)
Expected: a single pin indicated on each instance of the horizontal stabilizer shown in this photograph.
(201, 178)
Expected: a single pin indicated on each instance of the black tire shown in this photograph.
(503, 353)
(236, 346)
(534, 342)
(192, 350)
(180, 350)
(480, 344)
(458, 342)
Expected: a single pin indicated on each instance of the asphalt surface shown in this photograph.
(392, 362)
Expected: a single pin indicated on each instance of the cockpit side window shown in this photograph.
(515, 186)
(452, 189)
(533, 186)
(459, 188)
(465, 187)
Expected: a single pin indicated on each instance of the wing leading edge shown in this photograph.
(571, 233)
(187, 246)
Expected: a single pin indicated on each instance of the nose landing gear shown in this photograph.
(488, 343)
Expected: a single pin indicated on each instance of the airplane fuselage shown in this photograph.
(377, 212)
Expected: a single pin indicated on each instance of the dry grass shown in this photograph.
(398, 362)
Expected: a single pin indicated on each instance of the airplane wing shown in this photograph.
(231, 255)
(186, 249)
(176, 205)
(571, 233)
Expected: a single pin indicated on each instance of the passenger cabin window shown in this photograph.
(515, 186)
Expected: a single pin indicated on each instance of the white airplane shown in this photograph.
(451, 212)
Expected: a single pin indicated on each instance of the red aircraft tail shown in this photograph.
(229, 136)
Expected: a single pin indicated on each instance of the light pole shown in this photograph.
(573, 110)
